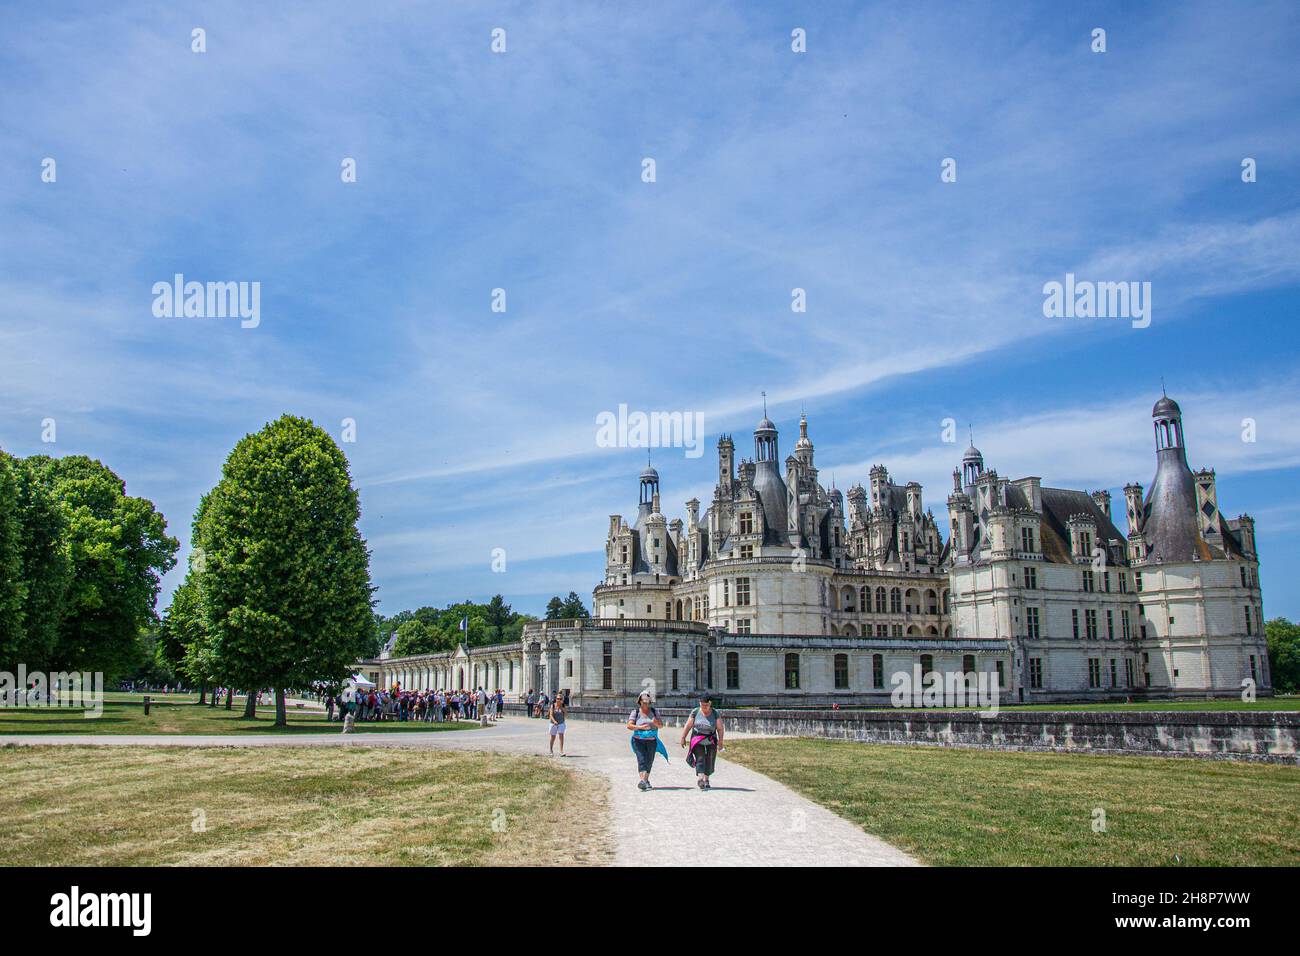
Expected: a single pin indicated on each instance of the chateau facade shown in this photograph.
(785, 592)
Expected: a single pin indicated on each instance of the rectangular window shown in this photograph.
(674, 678)
(1027, 539)
(792, 672)
(1031, 578)
(1090, 619)
(743, 625)
(1001, 677)
(878, 670)
(674, 650)
(607, 665)
(568, 667)
(1124, 627)
(841, 671)
(1128, 672)
(1031, 623)
(1094, 672)
(1036, 673)
(733, 671)
(1123, 583)
(726, 593)
(1137, 580)
(708, 669)
(1074, 621)
(1253, 675)
(1249, 620)
(746, 552)
(746, 522)
(882, 630)
(1110, 625)
(1088, 583)
(1114, 675)
(742, 592)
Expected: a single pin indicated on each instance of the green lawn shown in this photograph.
(295, 806)
(956, 807)
(181, 716)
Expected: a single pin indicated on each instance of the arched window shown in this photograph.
(864, 599)
(841, 671)
(733, 671)
(931, 602)
(895, 600)
(679, 609)
(880, 600)
(792, 672)
(913, 601)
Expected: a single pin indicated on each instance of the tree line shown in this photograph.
(430, 630)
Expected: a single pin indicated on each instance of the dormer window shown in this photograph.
(746, 522)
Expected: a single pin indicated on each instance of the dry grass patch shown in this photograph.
(142, 806)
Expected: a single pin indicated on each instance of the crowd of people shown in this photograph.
(429, 706)
(701, 735)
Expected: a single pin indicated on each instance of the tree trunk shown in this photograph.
(203, 690)
(250, 705)
(280, 719)
(230, 697)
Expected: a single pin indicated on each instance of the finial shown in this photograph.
(971, 430)
(1162, 387)
(764, 394)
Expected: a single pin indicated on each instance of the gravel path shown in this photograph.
(747, 819)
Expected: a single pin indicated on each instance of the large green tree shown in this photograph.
(1283, 638)
(13, 589)
(286, 582)
(34, 567)
(117, 550)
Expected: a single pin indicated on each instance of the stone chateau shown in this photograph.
(782, 591)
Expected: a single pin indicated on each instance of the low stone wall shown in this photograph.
(1235, 735)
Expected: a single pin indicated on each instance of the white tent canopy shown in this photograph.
(358, 681)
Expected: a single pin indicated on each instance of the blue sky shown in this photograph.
(522, 171)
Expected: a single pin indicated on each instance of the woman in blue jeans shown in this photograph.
(644, 723)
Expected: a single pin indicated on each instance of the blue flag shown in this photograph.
(464, 623)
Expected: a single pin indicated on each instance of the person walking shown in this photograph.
(704, 731)
(644, 723)
(557, 716)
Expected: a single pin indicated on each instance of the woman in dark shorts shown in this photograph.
(644, 723)
(704, 731)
